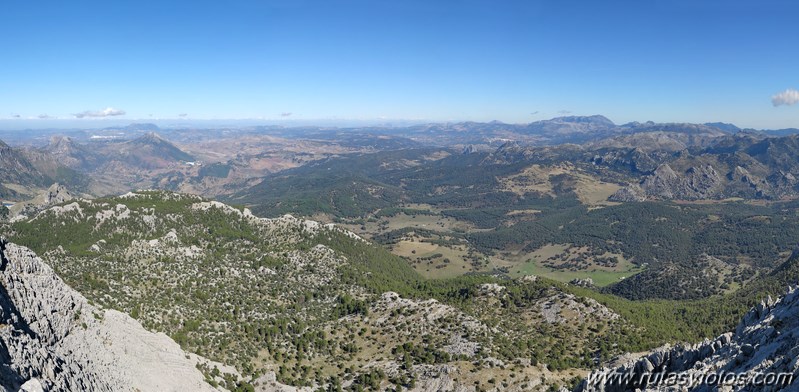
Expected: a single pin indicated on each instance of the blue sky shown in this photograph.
(514, 61)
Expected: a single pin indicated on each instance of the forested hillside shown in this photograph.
(287, 295)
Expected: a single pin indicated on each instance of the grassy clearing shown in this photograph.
(600, 278)
(434, 261)
(523, 212)
(370, 227)
(593, 192)
(554, 261)
(539, 179)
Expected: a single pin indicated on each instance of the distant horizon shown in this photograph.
(14, 125)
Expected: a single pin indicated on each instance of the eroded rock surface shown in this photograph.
(52, 339)
(765, 341)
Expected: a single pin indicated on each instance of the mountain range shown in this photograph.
(546, 256)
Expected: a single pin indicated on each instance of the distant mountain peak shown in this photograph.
(151, 137)
(726, 127)
(152, 150)
(56, 139)
(137, 127)
(59, 143)
(596, 118)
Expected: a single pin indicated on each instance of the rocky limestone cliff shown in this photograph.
(765, 341)
(55, 194)
(696, 183)
(52, 339)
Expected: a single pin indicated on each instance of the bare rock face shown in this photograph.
(766, 341)
(696, 183)
(629, 194)
(745, 184)
(662, 182)
(702, 182)
(586, 282)
(56, 194)
(52, 339)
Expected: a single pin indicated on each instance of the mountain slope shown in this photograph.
(54, 339)
(149, 151)
(764, 342)
(282, 297)
(62, 161)
(72, 154)
(18, 170)
(743, 165)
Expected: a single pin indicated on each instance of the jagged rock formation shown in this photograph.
(56, 194)
(697, 183)
(765, 341)
(734, 166)
(629, 193)
(52, 339)
(587, 282)
(701, 182)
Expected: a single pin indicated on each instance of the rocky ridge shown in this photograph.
(55, 194)
(765, 341)
(53, 339)
(701, 182)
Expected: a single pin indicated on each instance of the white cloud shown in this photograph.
(107, 112)
(787, 97)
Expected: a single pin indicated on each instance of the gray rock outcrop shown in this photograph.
(696, 183)
(55, 194)
(629, 193)
(766, 341)
(52, 339)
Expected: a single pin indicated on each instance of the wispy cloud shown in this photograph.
(107, 112)
(787, 97)
(564, 112)
(286, 114)
(43, 117)
(183, 115)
